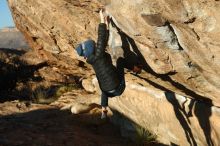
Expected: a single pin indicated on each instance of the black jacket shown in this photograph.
(101, 62)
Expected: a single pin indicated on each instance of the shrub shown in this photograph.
(39, 95)
(143, 136)
(65, 88)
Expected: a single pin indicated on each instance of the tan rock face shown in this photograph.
(177, 42)
(184, 44)
(172, 117)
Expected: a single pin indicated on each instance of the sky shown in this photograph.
(5, 15)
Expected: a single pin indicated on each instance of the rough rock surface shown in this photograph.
(177, 42)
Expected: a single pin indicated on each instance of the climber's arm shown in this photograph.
(102, 34)
(104, 100)
(101, 43)
(102, 39)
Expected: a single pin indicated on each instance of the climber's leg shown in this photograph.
(104, 104)
(104, 100)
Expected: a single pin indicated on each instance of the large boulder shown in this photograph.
(177, 42)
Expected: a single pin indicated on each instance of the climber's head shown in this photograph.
(86, 48)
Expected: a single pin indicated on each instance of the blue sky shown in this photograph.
(5, 15)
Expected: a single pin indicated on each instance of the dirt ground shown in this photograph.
(25, 124)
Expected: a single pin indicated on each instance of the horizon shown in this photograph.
(6, 19)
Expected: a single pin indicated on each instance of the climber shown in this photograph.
(110, 78)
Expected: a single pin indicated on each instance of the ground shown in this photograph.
(26, 124)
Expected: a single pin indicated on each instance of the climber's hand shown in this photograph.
(104, 17)
(137, 69)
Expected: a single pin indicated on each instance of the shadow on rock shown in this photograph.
(181, 116)
(13, 69)
(201, 101)
(130, 129)
(12, 74)
(203, 111)
(128, 41)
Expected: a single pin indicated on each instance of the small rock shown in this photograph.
(80, 108)
(88, 86)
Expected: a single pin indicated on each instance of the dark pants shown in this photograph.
(120, 89)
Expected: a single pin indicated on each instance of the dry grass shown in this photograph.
(44, 96)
